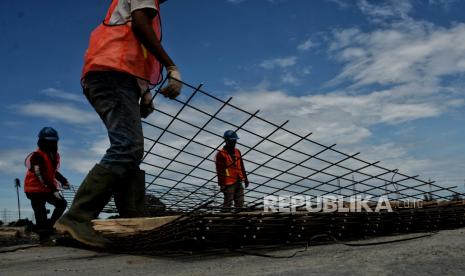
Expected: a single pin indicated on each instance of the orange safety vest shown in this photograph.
(231, 170)
(116, 48)
(32, 183)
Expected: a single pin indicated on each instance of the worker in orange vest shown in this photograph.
(231, 172)
(124, 59)
(41, 185)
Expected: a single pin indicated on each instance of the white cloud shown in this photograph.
(100, 146)
(445, 4)
(80, 159)
(307, 70)
(58, 112)
(289, 78)
(387, 9)
(341, 3)
(230, 83)
(279, 62)
(340, 117)
(306, 45)
(80, 164)
(411, 52)
(60, 94)
(320, 114)
(456, 103)
(405, 112)
(12, 161)
(394, 155)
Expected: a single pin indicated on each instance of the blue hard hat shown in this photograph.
(48, 133)
(230, 135)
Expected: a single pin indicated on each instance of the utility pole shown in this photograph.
(18, 185)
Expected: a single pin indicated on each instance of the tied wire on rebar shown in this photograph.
(182, 137)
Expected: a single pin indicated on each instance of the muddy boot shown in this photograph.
(129, 195)
(44, 236)
(92, 196)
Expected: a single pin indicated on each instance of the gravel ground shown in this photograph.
(440, 254)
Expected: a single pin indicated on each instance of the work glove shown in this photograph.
(146, 104)
(173, 88)
(223, 188)
(57, 195)
(246, 183)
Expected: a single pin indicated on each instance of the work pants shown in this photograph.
(38, 200)
(233, 193)
(115, 97)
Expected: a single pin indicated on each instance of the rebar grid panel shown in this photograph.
(295, 166)
(213, 231)
(183, 136)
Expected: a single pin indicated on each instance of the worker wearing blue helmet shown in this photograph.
(42, 182)
(231, 172)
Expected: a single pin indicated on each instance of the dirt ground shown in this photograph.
(439, 254)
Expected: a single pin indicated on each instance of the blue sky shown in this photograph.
(382, 77)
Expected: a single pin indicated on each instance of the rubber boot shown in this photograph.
(92, 196)
(129, 195)
(44, 236)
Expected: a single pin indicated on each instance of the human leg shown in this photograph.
(114, 96)
(129, 194)
(228, 196)
(40, 214)
(238, 195)
(60, 207)
(92, 196)
(120, 112)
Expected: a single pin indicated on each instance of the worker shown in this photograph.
(124, 59)
(41, 185)
(231, 172)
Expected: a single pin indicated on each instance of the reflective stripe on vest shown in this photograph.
(116, 48)
(233, 169)
(31, 183)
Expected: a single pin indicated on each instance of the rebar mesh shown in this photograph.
(183, 136)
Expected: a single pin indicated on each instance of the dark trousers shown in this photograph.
(233, 193)
(115, 97)
(38, 200)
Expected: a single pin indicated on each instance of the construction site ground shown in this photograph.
(440, 254)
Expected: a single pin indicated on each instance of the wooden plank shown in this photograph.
(130, 226)
(9, 234)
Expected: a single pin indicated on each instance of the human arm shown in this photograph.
(143, 29)
(220, 168)
(246, 180)
(64, 182)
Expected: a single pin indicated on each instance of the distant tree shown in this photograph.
(1, 222)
